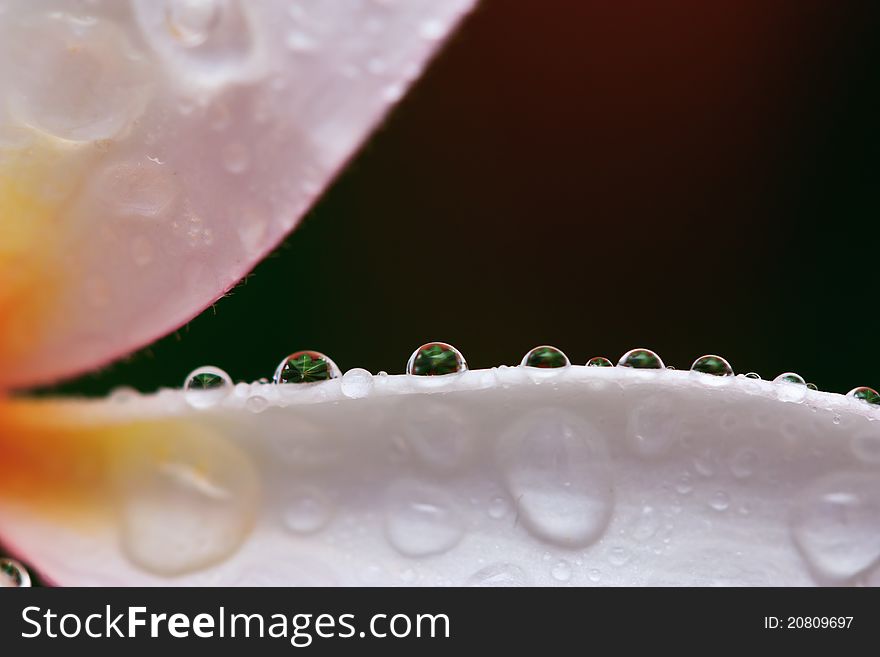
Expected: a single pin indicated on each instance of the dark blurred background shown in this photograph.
(686, 176)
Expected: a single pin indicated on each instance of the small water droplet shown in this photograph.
(594, 574)
(753, 375)
(835, 418)
(790, 377)
(744, 463)
(206, 386)
(684, 485)
(190, 21)
(123, 395)
(641, 359)
(306, 510)
(421, 519)
(236, 157)
(498, 508)
(256, 403)
(556, 471)
(545, 356)
(836, 525)
(561, 571)
(812, 386)
(357, 383)
(13, 574)
(719, 500)
(618, 556)
(865, 394)
(499, 575)
(714, 365)
(306, 367)
(599, 361)
(436, 359)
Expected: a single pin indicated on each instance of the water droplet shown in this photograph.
(561, 571)
(123, 395)
(836, 418)
(556, 471)
(188, 498)
(719, 500)
(306, 367)
(545, 357)
(499, 575)
(136, 189)
(714, 365)
(792, 387)
(206, 386)
(670, 367)
(190, 21)
(436, 433)
(753, 375)
(306, 510)
(357, 383)
(421, 519)
(618, 556)
(599, 361)
(812, 386)
(498, 508)
(641, 359)
(865, 394)
(13, 574)
(436, 359)
(744, 463)
(236, 157)
(836, 525)
(684, 485)
(646, 525)
(594, 574)
(653, 426)
(256, 403)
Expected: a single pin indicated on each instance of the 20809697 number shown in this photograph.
(819, 622)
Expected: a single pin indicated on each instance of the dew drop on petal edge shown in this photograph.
(714, 365)
(599, 361)
(13, 574)
(206, 386)
(753, 375)
(790, 377)
(545, 356)
(812, 386)
(865, 394)
(641, 359)
(436, 359)
(306, 367)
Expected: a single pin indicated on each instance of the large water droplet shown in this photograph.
(792, 387)
(836, 525)
(599, 361)
(357, 383)
(306, 367)
(557, 473)
(190, 21)
(499, 575)
(434, 359)
(641, 359)
(714, 365)
(545, 357)
(306, 510)
(865, 394)
(187, 498)
(421, 519)
(206, 386)
(13, 574)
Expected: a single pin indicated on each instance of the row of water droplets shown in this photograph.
(206, 386)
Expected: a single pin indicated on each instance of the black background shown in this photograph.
(688, 176)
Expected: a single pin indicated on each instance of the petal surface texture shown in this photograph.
(152, 151)
(511, 476)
